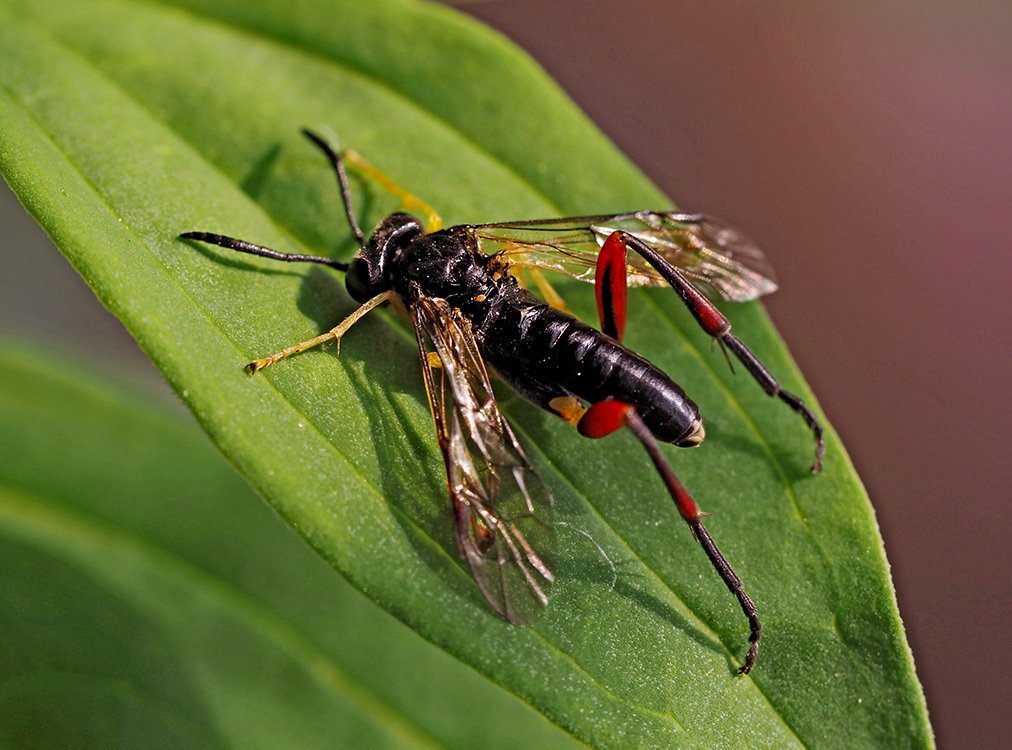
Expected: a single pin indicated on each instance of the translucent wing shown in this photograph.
(502, 510)
(707, 250)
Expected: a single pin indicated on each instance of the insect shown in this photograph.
(459, 290)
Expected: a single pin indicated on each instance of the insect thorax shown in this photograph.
(442, 265)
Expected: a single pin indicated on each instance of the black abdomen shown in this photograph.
(544, 353)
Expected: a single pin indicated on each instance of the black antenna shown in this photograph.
(265, 252)
(342, 181)
(243, 246)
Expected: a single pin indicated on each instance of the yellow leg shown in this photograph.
(551, 296)
(433, 221)
(569, 408)
(544, 287)
(334, 334)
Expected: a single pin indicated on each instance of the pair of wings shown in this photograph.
(711, 253)
(502, 510)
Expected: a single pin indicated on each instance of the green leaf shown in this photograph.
(125, 123)
(150, 600)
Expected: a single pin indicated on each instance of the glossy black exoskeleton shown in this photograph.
(543, 353)
(468, 311)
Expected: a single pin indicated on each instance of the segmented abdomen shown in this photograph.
(544, 353)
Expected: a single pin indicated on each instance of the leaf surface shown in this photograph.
(151, 600)
(126, 123)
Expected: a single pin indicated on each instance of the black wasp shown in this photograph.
(469, 311)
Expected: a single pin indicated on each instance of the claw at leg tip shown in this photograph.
(820, 453)
(256, 365)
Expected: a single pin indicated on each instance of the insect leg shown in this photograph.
(548, 292)
(334, 334)
(433, 221)
(714, 323)
(606, 417)
(610, 286)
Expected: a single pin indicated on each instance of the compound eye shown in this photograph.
(358, 281)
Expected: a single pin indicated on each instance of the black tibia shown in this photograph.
(734, 585)
(769, 384)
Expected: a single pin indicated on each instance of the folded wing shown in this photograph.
(502, 509)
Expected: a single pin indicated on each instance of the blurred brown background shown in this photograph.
(869, 149)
